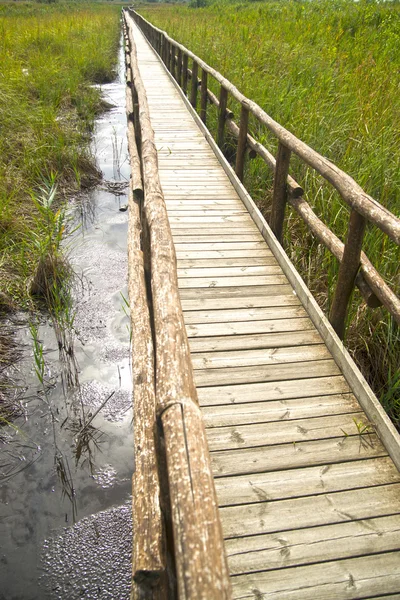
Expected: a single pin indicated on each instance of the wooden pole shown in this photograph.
(193, 92)
(185, 73)
(280, 193)
(173, 63)
(242, 141)
(203, 97)
(347, 272)
(201, 567)
(179, 69)
(223, 101)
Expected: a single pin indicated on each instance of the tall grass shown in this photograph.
(327, 70)
(50, 57)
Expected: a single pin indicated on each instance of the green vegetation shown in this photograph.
(328, 71)
(50, 56)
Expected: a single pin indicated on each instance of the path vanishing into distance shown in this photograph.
(302, 455)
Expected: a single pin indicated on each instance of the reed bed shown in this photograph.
(329, 72)
(50, 57)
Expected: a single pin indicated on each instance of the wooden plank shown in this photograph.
(195, 262)
(238, 302)
(348, 579)
(217, 272)
(203, 220)
(294, 456)
(282, 390)
(246, 314)
(288, 431)
(305, 546)
(207, 204)
(278, 410)
(246, 327)
(309, 481)
(246, 342)
(199, 211)
(218, 246)
(264, 373)
(213, 236)
(207, 282)
(236, 292)
(265, 356)
(297, 513)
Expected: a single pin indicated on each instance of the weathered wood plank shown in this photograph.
(264, 373)
(215, 245)
(297, 513)
(267, 356)
(284, 432)
(213, 236)
(308, 481)
(219, 272)
(282, 390)
(291, 456)
(213, 282)
(246, 342)
(196, 262)
(306, 546)
(278, 410)
(249, 314)
(245, 327)
(238, 302)
(348, 579)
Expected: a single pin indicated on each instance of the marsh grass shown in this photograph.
(328, 72)
(50, 57)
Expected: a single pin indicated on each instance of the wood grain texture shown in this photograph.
(200, 562)
(308, 481)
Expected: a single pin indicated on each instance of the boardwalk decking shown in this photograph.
(310, 507)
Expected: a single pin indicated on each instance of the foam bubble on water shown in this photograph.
(92, 559)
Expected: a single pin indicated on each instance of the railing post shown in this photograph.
(347, 272)
(203, 96)
(223, 101)
(193, 92)
(167, 54)
(242, 141)
(173, 66)
(162, 48)
(179, 69)
(185, 73)
(279, 197)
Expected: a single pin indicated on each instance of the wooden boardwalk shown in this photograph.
(310, 503)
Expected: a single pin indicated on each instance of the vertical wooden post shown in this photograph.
(162, 48)
(185, 73)
(179, 74)
(279, 197)
(347, 272)
(193, 92)
(203, 96)
(242, 141)
(173, 65)
(168, 54)
(223, 101)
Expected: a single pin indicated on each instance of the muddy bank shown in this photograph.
(48, 481)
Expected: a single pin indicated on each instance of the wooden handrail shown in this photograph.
(200, 563)
(372, 286)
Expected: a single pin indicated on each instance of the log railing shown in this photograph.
(355, 268)
(178, 548)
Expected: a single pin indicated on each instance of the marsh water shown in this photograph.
(65, 524)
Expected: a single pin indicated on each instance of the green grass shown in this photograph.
(328, 71)
(50, 57)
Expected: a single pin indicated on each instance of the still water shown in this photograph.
(65, 519)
